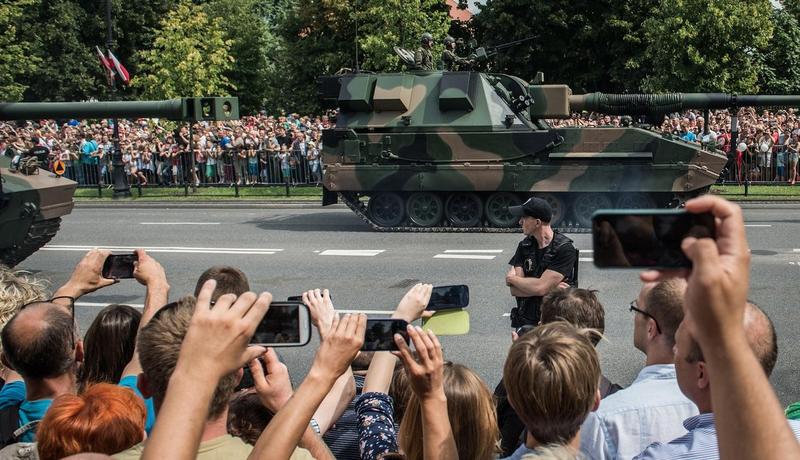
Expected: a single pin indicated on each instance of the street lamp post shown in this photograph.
(121, 187)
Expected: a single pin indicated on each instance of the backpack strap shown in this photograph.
(9, 424)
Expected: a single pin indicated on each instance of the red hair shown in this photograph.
(104, 419)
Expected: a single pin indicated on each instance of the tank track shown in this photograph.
(39, 233)
(361, 211)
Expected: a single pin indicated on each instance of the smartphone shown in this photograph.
(119, 266)
(380, 334)
(447, 297)
(646, 238)
(299, 298)
(286, 324)
(447, 322)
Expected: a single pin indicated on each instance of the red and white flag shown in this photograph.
(106, 63)
(121, 70)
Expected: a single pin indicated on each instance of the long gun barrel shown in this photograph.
(186, 109)
(645, 104)
(557, 101)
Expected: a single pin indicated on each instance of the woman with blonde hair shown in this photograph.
(470, 409)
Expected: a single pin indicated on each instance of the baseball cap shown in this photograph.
(534, 207)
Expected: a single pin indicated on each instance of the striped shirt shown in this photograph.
(699, 443)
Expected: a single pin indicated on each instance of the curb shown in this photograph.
(288, 204)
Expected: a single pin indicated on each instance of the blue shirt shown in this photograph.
(13, 393)
(699, 443)
(651, 410)
(689, 136)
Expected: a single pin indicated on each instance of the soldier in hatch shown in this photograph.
(452, 61)
(423, 58)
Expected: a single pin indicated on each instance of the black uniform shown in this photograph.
(560, 256)
(41, 153)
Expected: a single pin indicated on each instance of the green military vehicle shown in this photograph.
(450, 151)
(33, 200)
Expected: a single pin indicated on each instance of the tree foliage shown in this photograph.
(706, 45)
(15, 58)
(67, 68)
(781, 72)
(190, 56)
(252, 48)
(588, 44)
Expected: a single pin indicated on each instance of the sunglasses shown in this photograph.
(64, 301)
(634, 306)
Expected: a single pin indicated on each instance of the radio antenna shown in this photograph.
(356, 17)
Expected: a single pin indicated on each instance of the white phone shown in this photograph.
(286, 324)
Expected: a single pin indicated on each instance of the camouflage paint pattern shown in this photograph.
(449, 132)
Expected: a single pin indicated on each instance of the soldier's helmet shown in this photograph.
(448, 40)
(426, 38)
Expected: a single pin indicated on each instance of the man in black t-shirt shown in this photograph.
(39, 151)
(544, 260)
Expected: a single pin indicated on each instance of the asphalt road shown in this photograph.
(288, 250)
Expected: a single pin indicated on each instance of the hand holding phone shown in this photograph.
(119, 266)
(641, 238)
(380, 333)
(286, 324)
(448, 297)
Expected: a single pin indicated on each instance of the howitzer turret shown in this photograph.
(450, 151)
(31, 205)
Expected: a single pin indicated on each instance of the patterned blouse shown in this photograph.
(376, 430)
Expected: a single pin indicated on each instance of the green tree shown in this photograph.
(781, 73)
(134, 25)
(190, 57)
(386, 24)
(706, 45)
(15, 59)
(590, 45)
(252, 48)
(67, 68)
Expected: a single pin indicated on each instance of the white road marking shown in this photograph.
(352, 252)
(463, 256)
(506, 315)
(179, 223)
(585, 259)
(757, 225)
(171, 249)
(140, 306)
(473, 251)
(795, 250)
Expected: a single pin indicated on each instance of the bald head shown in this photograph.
(39, 341)
(761, 337)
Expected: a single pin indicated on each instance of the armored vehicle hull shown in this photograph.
(450, 151)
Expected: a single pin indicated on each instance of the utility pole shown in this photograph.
(121, 187)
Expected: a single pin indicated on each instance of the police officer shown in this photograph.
(450, 59)
(423, 58)
(545, 260)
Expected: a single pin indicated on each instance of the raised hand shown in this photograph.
(426, 373)
(321, 309)
(414, 302)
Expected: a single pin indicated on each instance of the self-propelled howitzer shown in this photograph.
(450, 151)
(32, 200)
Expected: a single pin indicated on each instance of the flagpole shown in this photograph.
(121, 187)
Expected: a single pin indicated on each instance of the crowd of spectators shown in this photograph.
(766, 149)
(167, 381)
(265, 149)
(254, 149)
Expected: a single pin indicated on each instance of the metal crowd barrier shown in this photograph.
(239, 168)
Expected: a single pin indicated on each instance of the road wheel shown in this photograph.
(425, 209)
(634, 200)
(496, 209)
(463, 209)
(586, 204)
(386, 209)
(557, 203)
